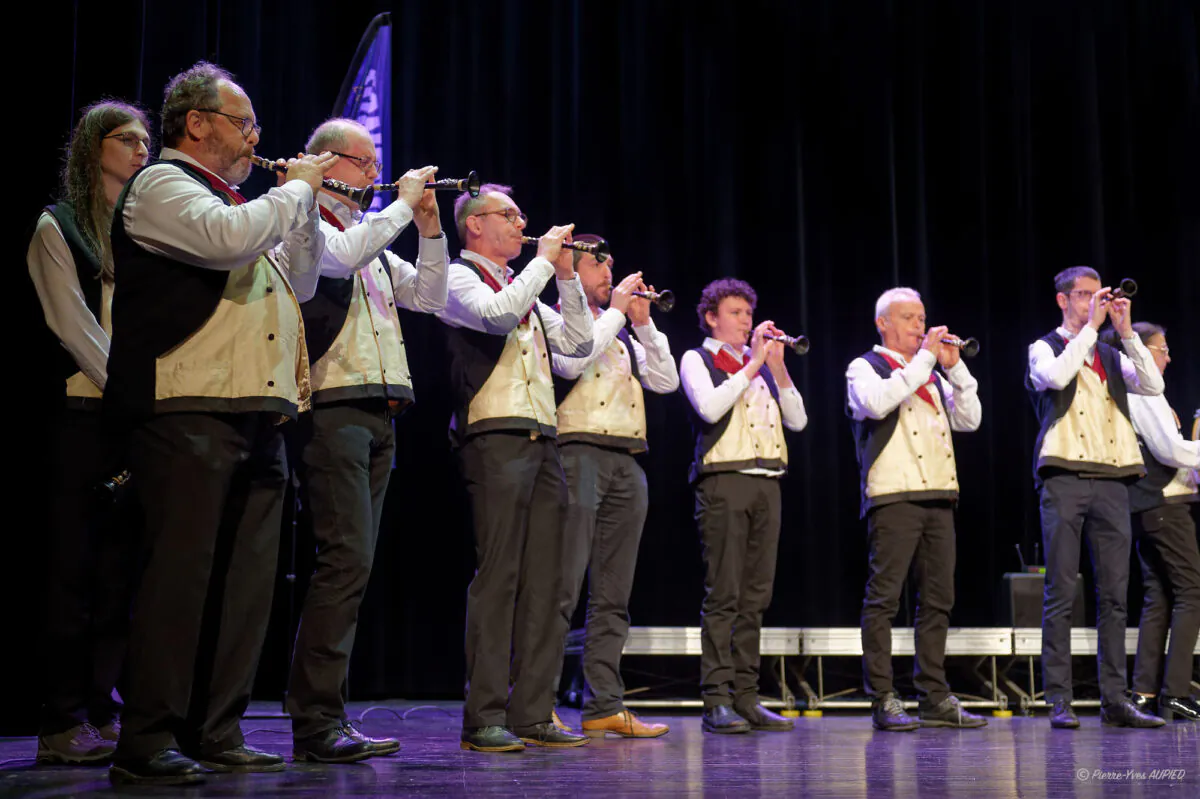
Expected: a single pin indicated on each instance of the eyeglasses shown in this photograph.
(511, 214)
(361, 162)
(1082, 293)
(1164, 348)
(246, 124)
(130, 140)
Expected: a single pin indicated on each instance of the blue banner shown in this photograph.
(366, 92)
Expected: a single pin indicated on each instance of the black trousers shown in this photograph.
(738, 516)
(344, 458)
(904, 537)
(1166, 545)
(1072, 507)
(92, 562)
(517, 496)
(605, 515)
(212, 489)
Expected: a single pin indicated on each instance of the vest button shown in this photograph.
(270, 337)
(633, 405)
(271, 383)
(391, 304)
(270, 289)
(524, 352)
(601, 402)
(605, 432)
(919, 457)
(751, 424)
(377, 332)
(914, 432)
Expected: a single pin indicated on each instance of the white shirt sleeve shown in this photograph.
(1155, 423)
(791, 407)
(421, 288)
(711, 402)
(170, 213)
(604, 330)
(347, 251)
(470, 303)
(300, 256)
(963, 408)
(654, 360)
(56, 281)
(1138, 369)
(1050, 372)
(873, 397)
(569, 332)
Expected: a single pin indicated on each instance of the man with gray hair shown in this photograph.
(343, 450)
(499, 339)
(207, 360)
(1085, 454)
(902, 414)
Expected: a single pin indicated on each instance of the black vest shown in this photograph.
(707, 435)
(87, 270)
(157, 304)
(472, 356)
(1049, 406)
(872, 435)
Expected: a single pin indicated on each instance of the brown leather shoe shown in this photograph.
(625, 725)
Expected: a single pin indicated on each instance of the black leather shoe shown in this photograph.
(724, 720)
(759, 718)
(331, 746)
(888, 714)
(550, 735)
(491, 739)
(241, 759)
(379, 746)
(1062, 717)
(1176, 708)
(949, 713)
(1122, 713)
(164, 767)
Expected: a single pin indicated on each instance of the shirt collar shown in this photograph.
(714, 346)
(493, 268)
(882, 350)
(168, 153)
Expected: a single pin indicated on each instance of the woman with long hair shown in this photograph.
(89, 574)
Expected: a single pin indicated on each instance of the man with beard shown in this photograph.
(207, 359)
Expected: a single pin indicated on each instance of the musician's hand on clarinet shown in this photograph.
(622, 293)
(933, 341)
(774, 349)
(759, 345)
(1118, 312)
(1098, 307)
(310, 168)
(426, 214)
(550, 247)
(950, 354)
(639, 307)
(411, 187)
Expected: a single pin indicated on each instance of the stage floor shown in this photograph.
(838, 756)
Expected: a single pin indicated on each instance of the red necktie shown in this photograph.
(922, 392)
(494, 286)
(1096, 365)
(729, 364)
(328, 216)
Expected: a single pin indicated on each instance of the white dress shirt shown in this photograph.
(713, 402)
(472, 303)
(873, 397)
(1046, 371)
(167, 212)
(421, 288)
(52, 269)
(1155, 422)
(651, 349)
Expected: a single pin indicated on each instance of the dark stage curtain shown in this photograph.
(823, 151)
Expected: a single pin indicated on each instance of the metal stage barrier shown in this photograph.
(794, 650)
